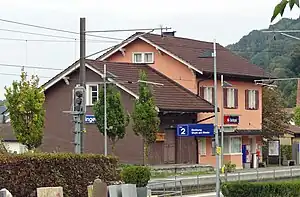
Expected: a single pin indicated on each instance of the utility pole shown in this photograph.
(105, 108)
(222, 122)
(216, 125)
(82, 79)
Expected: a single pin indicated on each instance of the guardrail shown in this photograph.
(176, 184)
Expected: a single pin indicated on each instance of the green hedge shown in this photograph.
(261, 189)
(22, 174)
(139, 175)
(286, 150)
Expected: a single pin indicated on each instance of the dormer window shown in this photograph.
(145, 57)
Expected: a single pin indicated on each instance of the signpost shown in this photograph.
(195, 130)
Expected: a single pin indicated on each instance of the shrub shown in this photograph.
(139, 175)
(261, 189)
(230, 167)
(286, 151)
(22, 174)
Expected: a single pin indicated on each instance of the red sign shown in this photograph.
(231, 119)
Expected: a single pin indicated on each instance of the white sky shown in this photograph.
(225, 20)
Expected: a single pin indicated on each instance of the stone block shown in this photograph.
(50, 192)
(99, 188)
(5, 193)
(129, 190)
(90, 191)
(115, 191)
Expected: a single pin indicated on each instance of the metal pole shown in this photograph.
(216, 123)
(222, 122)
(82, 79)
(105, 114)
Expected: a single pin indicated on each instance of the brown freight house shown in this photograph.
(176, 105)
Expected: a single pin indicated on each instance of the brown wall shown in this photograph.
(59, 129)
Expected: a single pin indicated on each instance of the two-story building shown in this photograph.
(185, 61)
(175, 104)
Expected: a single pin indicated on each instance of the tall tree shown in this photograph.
(24, 101)
(296, 116)
(275, 118)
(145, 116)
(117, 119)
(280, 7)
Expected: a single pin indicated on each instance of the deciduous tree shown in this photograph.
(145, 116)
(24, 101)
(275, 118)
(280, 7)
(117, 119)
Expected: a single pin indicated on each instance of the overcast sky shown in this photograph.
(225, 20)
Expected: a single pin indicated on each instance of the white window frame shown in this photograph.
(89, 94)
(229, 145)
(230, 98)
(202, 146)
(251, 99)
(208, 94)
(143, 57)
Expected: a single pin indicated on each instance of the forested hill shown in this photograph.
(276, 53)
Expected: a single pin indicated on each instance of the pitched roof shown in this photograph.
(294, 129)
(169, 97)
(190, 50)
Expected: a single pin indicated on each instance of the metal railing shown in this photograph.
(206, 183)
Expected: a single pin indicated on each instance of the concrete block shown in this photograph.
(99, 188)
(5, 193)
(50, 192)
(90, 191)
(115, 191)
(129, 190)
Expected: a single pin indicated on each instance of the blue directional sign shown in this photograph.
(90, 119)
(198, 130)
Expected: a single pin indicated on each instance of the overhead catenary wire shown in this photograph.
(55, 29)
(27, 66)
(127, 30)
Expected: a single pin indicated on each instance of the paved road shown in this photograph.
(253, 174)
(212, 194)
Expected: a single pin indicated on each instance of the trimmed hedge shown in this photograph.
(22, 174)
(286, 150)
(139, 175)
(261, 189)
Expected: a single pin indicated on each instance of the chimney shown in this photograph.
(169, 33)
(298, 94)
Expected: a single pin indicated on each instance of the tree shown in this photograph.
(145, 116)
(275, 118)
(280, 7)
(117, 119)
(296, 116)
(24, 101)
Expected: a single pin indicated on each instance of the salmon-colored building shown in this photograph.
(186, 62)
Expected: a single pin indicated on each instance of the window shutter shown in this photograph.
(246, 99)
(256, 99)
(213, 95)
(225, 97)
(236, 98)
(201, 92)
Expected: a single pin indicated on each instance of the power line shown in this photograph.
(68, 41)
(38, 34)
(126, 30)
(54, 29)
(14, 74)
(26, 66)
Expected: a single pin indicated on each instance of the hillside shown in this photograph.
(276, 53)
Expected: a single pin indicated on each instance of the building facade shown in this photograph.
(190, 63)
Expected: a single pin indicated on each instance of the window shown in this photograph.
(236, 145)
(230, 98)
(137, 58)
(202, 146)
(252, 99)
(232, 145)
(91, 94)
(147, 57)
(208, 94)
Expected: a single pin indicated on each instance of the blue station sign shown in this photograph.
(90, 119)
(196, 130)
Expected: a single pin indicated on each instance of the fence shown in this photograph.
(177, 186)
